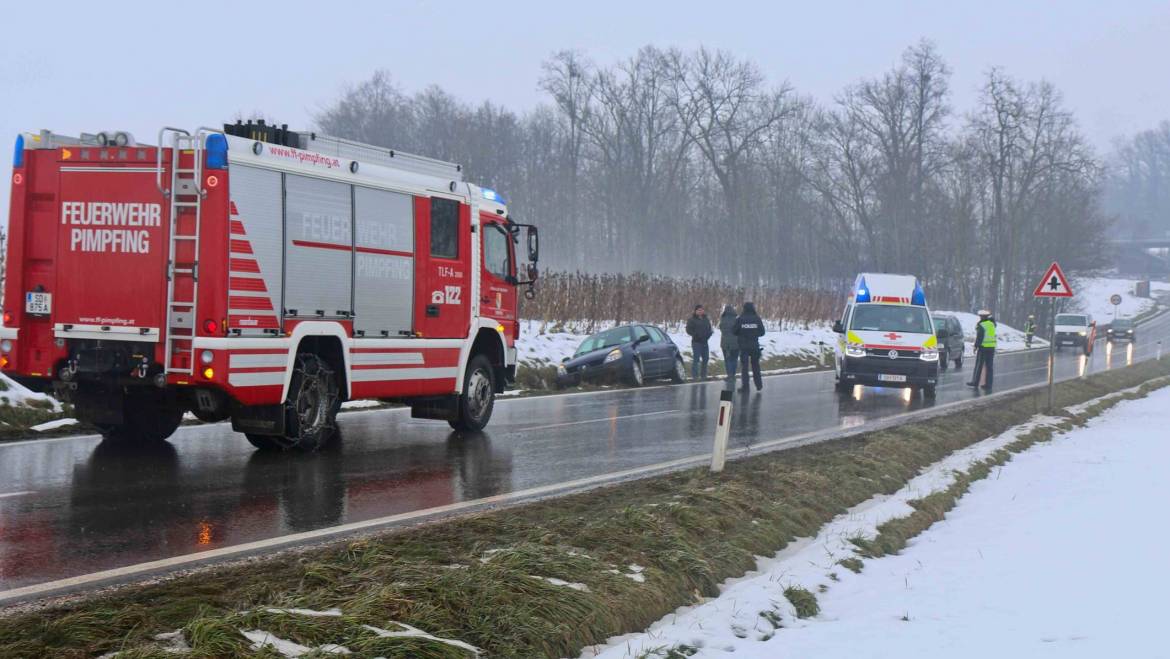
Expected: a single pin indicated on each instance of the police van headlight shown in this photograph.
(1082, 333)
(854, 350)
(613, 355)
(928, 355)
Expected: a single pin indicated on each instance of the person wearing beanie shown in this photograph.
(700, 331)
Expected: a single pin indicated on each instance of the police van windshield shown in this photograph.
(1071, 319)
(607, 339)
(890, 318)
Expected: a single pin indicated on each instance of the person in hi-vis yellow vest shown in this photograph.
(984, 351)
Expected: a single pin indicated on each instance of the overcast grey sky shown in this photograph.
(88, 66)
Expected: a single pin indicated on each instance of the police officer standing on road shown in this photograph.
(1029, 330)
(699, 329)
(749, 327)
(728, 343)
(984, 350)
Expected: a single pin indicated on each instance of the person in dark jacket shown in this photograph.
(749, 327)
(728, 343)
(699, 329)
(984, 350)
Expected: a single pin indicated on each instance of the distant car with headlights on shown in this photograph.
(629, 353)
(1122, 329)
(1073, 329)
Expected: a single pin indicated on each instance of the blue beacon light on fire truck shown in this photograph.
(18, 154)
(217, 151)
(492, 195)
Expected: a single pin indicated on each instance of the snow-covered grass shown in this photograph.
(1092, 296)
(1029, 563)
(14, 394)
(542, 346)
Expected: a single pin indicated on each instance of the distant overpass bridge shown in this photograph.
(1148, 257)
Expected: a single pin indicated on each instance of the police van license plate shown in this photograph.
(38, 303)
(887, 377)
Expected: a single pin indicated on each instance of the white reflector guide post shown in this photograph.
(722, 430)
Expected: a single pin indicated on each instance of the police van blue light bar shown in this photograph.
(492, 195)
(919, 297)
(18, 156)
(217, 151)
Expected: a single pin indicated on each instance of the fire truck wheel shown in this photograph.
(147, 420)
(312, 405)
(267, 442)
(474, 407)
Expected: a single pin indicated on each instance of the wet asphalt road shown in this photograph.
(75, 506)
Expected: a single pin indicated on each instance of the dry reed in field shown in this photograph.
(590, 300)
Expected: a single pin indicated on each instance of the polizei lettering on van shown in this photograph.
(82, 215)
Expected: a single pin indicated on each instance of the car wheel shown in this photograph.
(636, 375)
(959, 361)
(680, 371)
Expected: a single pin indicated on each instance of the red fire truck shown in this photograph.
(258, 274)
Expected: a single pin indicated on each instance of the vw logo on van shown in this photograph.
(893, 354)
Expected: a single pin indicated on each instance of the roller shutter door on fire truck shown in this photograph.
(384, 263)
(318, 271)
(256, 250)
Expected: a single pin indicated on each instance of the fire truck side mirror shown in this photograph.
(533, 245)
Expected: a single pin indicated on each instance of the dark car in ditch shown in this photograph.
(631, 354)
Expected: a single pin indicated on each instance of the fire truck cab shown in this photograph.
(258, 274)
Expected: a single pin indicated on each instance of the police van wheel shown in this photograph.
(929, 392)
(944, 361)
(842, 387)
(312, 404)
(475, 404)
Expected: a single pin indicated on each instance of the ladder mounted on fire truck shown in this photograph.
(185, 194)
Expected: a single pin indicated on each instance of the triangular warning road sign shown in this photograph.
(1054, 284)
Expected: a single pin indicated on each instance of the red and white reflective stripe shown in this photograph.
(890, 298)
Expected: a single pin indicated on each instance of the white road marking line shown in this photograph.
(608, 418)
(7, 495)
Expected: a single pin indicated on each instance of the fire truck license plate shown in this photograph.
(38, 303)
(886, 377)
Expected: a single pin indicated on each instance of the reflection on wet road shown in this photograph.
(76, 506)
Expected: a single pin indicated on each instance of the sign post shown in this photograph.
(1115, 300)
(1052, 286)
(722, 430)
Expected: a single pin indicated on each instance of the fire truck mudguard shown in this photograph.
(258, 274)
